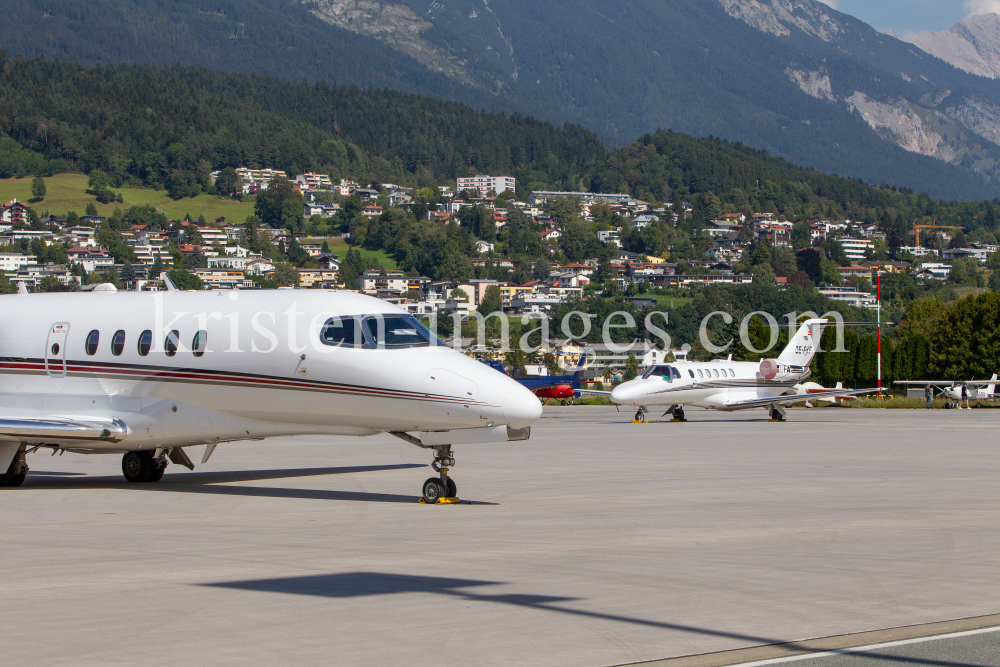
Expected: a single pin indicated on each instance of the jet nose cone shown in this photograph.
(521, 408)
(623, 393)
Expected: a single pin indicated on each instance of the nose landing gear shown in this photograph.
(441, 489)
(640, 416)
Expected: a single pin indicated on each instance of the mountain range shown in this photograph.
(794, 77)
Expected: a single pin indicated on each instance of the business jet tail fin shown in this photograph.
(802, 347)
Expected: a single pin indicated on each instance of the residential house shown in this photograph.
(14, 261)
(373, 282)
(317, 277)
(14, 212)
(215, 278)
(855, 248)
(89, 258)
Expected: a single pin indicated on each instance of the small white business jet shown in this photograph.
(731, 385)
(975, 389)
(147, 375)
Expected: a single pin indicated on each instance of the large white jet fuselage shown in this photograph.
(261, 370)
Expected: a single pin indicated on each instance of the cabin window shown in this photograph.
(691, 372)
(92, 338)
(699, 373)
(145, 342)
(342, 332)
(398, 331)
(118, 343)
(715, 372)
(732, 373)
(199, 343)
(170, 344)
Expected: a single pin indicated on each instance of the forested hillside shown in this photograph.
(142, 124)
(619, 68)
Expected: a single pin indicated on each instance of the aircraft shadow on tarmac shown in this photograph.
(364, 584)
(222, 483)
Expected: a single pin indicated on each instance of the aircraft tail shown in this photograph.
(802, 347)
(990, 389)
(580, 366)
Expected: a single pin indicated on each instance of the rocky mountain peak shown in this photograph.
(777, 17)
(972, 45)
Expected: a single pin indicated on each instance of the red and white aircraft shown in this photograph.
(148, 375)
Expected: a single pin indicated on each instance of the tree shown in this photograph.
(37, 188)
(631, 368)
(492, 300)
(541, 269)
(228, 183)
(127, 273)
(97, 180)
(801, 235)
(91, 209)
(186, 280)
(280, 206)
(286, 275)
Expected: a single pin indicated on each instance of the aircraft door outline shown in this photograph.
(55, 350)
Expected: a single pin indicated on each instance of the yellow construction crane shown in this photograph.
(917, 227)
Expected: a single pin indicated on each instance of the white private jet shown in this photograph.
(977, 389)
(147, 375)
(731, 385)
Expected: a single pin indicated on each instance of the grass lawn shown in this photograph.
(339, 246)
(66, 192)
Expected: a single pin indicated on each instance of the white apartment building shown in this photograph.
(314, 181)
(919, 251)
(486, 183)
(13, 262)
(850, 296)
(372, 282)
(855, 248)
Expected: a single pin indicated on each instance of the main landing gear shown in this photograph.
(144, 466)
(16, 471)
(442, 488)
(777, 413)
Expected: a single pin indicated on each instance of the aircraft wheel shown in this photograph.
(137, 466)
(157, 474)
(11, 478)
(17, 480)
(452, 488)
(433, 489)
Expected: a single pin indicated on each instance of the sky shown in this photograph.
(906, 16)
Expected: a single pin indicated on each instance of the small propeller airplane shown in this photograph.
(732, 385)
(149, 375)
(977, 389)
(557, 387)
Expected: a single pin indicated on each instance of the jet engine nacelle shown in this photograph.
(772, 369)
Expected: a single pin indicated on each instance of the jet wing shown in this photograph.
(950, 383)
(593, 391)
(797, 398)
(61, 429)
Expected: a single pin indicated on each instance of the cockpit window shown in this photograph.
(666, 372)
(397, 331)
(342, 332)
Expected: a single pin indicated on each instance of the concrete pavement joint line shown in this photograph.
(822, 647)
(869, 647)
